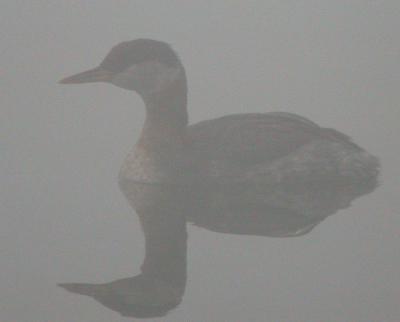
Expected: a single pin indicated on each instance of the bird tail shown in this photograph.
(361, 166)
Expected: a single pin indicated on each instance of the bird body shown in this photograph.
(240, 148)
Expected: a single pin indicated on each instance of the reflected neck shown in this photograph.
(163, 219)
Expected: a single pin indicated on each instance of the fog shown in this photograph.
(64, 219)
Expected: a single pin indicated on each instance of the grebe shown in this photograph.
(281, 175)
(268, 148)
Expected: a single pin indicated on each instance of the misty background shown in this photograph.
(64, 219)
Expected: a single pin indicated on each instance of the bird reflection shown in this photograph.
(161, 284)
(166, 209)
(274, 174)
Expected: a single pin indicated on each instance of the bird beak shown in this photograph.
(97, 74)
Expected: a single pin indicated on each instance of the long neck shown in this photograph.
(166, 115)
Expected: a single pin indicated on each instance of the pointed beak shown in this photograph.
(97, 74)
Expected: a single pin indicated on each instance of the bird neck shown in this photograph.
(166, 115)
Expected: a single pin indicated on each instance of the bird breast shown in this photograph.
(140, 166)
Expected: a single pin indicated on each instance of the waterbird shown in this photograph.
(266, 148)
(273, 174)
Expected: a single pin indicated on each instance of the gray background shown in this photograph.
(63, 218)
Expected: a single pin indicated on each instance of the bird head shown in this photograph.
(142, 65)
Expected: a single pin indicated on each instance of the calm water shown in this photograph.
(64, 220)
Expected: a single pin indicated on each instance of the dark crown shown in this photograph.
(137, 51)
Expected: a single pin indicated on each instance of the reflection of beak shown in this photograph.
(83, 289)
(97, 74)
